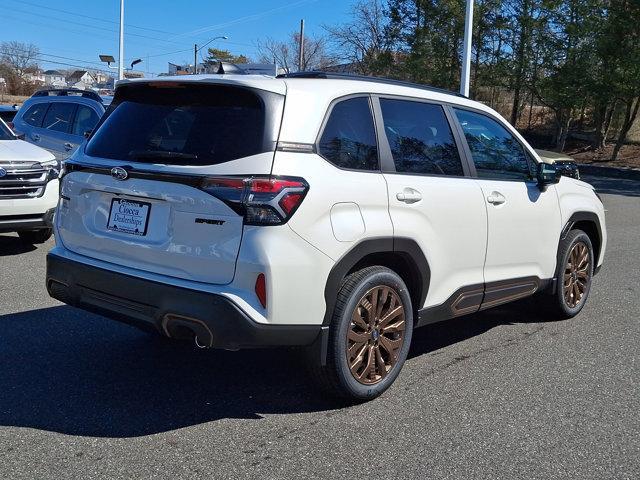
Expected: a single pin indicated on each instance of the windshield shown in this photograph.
(5, 133)
(173, 123)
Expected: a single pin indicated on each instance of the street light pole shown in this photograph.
(196, 49)
(466, 50)
(121, 58)
(195, 58)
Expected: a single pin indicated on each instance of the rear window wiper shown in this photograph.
(164, 154)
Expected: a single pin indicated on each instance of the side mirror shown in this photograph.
(547, 175)
(21, 136)
(87, 133)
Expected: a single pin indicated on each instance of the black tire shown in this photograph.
(34, 237)
(563, 303)
(336, 377)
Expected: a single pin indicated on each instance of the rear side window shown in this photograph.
(187, 124)
(496, 152)
(349, 137)
(58, 117)
(420, 138)
(86, 119)
(35, 114)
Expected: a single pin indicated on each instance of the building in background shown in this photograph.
(54, 78)
(81, 79)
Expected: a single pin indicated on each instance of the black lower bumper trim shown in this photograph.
(149, 305)
(16, 223)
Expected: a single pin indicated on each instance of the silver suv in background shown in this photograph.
(58, 120)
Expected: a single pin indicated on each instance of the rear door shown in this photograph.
(524, 222)
(432, 199)
(55, 133)
(168, 143)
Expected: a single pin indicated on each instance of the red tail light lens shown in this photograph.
(261, 200)
(261, 290)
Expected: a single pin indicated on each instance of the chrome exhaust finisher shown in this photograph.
(181, 327)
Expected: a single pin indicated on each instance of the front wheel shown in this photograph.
(574, 274)
(369, 335)
(35, 236)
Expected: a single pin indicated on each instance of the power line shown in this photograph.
(244, 19)
(67, 12)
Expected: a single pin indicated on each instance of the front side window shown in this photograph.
(86, 119)
(35, 114)
(349, 137)
(420, 138)
(496, 152)
(58, 117)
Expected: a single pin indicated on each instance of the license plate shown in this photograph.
(129, 216)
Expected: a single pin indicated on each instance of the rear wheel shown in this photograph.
(369, 335)
(35, 236)
(574, 274)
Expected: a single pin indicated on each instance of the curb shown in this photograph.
(611, 172)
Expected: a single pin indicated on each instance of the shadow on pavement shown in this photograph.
(614, 186)
(67, 371)
(12, 245)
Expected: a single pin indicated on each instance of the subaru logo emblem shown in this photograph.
(119, 173)
(3, 172)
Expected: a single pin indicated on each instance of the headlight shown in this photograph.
(53, 167)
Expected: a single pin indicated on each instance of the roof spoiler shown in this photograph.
(225, 67)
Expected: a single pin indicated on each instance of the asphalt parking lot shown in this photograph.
(508, 393)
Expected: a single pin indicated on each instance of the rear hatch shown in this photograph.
(135, 195)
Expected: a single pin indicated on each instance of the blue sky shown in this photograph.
(74, 32)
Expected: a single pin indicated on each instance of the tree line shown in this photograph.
(580, 59)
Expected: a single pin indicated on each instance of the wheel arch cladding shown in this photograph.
(402, 255)
(589, 223)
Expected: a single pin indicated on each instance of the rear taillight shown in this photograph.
(261, 200)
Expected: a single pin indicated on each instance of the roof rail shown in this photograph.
(68, 92)
(366, 78)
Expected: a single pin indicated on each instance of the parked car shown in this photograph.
(28, 188)
(340, 219)
(564, 163)
(59, 119)
(7, 112)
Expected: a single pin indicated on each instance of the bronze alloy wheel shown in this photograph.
(376, 335)
(576, 274)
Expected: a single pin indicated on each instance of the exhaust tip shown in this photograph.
(181, 327)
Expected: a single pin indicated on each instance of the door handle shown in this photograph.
(35, 137)
(68, 146)
(496, 198)
(409, 195)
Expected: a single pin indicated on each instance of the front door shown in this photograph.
(524, 222)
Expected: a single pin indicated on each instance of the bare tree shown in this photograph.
(285, 53)
(19, 56)
(364, 40)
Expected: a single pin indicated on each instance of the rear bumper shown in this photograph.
(16, 223)
(170, 310)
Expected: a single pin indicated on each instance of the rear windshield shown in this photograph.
(187, 124)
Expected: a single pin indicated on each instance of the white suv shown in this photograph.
(314, 210)
(28, 188)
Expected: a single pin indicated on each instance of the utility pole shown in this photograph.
(301, 51)
(121, 57)
(466, 50)
(195, 58)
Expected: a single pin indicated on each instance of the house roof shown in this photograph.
(77, 75)
(52, 72)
